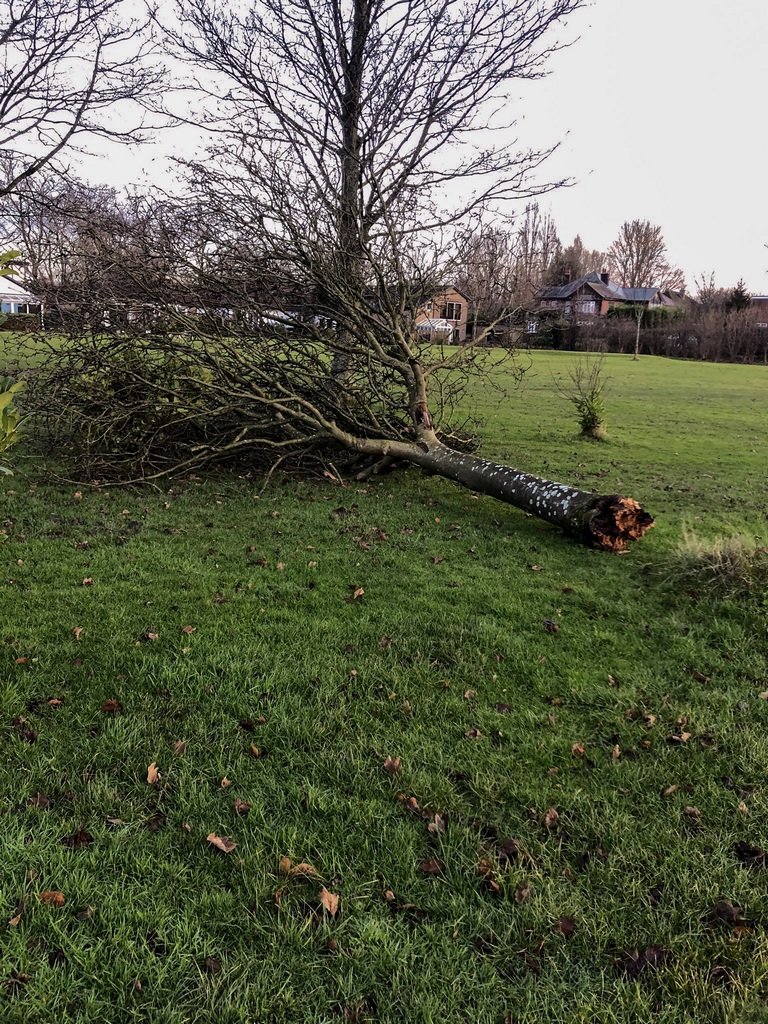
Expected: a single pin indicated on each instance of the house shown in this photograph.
(15, 299)
(444, 316)
(594, 294)
(760, 309)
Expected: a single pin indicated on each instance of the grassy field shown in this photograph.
(362, 689)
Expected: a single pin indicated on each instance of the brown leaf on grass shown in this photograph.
(392, 765)
(508, 851)
(431, 867)
(469, 695)
(437, 826)
(503, 709)
(650, 720)
(302, 870)
(54, 702)
(550, 818)
(223, 843)
(329, 900)
(616, 752)
(743, 807)
(550, 625)
(670, 790)
(188, 630)
(284, 865)
(389, 896)
(88, 581)
(632, 962)
(226, 783)
(612, 681)
(763, 695)
(39, 800)
(698, 676)
(153, 775)
(179, 747)
(241, 807)
(385, 642)
(148, 637)
(523, 893)
(359, 592)
(212, 965)
(111, 707)
(692, 812)
(77, 840)
(77, 632)
(52, 898)
(14, 921)
(410, 803)
(473, 733)
(725, 911)
(255, 751)
(578, 750)
(484, 867)
(566, 926)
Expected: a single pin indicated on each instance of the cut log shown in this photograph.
(608, 521)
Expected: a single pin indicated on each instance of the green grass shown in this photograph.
(450, 626)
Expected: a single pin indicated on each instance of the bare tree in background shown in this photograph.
(69, 68)
(353, 141)
(638, 258)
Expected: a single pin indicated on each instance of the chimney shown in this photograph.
(604, 277)
(567, 276)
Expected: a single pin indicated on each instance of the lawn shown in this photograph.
(393, 752)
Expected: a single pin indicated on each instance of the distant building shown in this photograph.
(15, 299)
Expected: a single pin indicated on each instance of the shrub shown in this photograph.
(725, 565)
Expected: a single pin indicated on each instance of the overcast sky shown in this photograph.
(660, 106)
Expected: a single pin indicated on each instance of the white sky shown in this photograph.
(660, 106)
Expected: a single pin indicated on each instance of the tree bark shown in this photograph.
(606, 521)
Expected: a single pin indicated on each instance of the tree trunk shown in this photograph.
(608, 521)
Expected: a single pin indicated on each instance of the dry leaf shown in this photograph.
(302, 870)
(88, 581)
(223, 843)
(111, 707)
(77, 632)
(566, 926)
(358, 593)
(329, 900)
(39, 800)
(616, 752)
(692, 812)
(153, 775)
(469, 695)
(550, 625)
(255, 751)
(285, 865)
(698, 676)
(763, 695)
(179, 747)
(437, 825)
(670, 790)
(225, 782)
(551, 817)
(392, 765)
(523, 893)
(431, 867)
(743, 807)
(473, 733)
(52, 898)
(189, 630)
(241, 807)
(578, 750)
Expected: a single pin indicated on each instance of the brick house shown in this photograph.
(444, 316)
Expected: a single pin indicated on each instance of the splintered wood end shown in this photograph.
(617, 521)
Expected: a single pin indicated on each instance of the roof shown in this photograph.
(638, 294)
(593, 281)
(435, 323)
(12, 292)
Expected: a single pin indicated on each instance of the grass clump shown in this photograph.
(726, 565)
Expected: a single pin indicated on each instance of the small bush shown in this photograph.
(587, 394)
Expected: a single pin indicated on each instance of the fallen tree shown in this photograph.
(353, 145)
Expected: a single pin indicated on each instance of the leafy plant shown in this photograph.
(587, 394)
(11, 420)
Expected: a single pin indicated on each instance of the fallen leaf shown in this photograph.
(285, 865)
(763, 695)
(188, 630)
(692, 812)
(469, 695)
(225, 782)
(385, 642)
(52, 898)
(241, 807)
(39, 800)
(726, 911)
(578, 750)
(255, 751)
(473, 733)
(437, 825)
(54, 702)
(329, 900)
(77, 632)
(650, 720)
(550, 625)
(179, 747)
(523, 893)
(566, 926)
(536, 568)
(612, 681)
(88, 581)
(551, 817)
(698, 676)
(743, 807)
(670, 790)
(78, 839)
(111, 707)
(223, 843)
(503, 709)
(212, 965)
(616, 752)
(358, 593)
(431, 867)
(153, 775)
(302, 870)
(392, 765)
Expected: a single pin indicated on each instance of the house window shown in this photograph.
(588, 306)
(533, 326)
(452, 311)
(6, 307)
